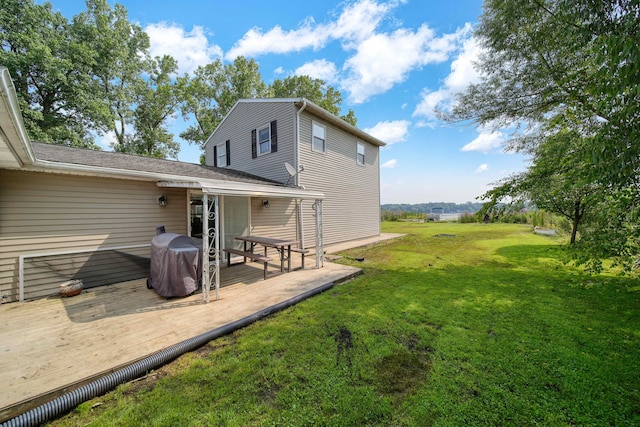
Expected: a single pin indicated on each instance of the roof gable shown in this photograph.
(306, 105)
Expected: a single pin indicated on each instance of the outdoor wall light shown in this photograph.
(265, 204)
(162, 200)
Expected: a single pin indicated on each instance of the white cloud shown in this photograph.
(378, 61)
(389, 164)
(369, 71)
(255, 42)
(106, 141)
(485, 142)
(461, 76)
(356, 22)
(463, 72)
(279, 70)
(429, 102)
(390, 131)
(190, 49)
(482, 168)
(319, 69)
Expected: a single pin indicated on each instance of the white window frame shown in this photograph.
(360, 151)
(267, 141)
(315, 124)
(221, 148)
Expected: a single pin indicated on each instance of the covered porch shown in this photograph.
(217, 234)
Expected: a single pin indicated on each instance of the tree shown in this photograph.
(115, 54)
(214, 90)
(572, 58)
(554, 182)
(156, 101)
(315, 90)
(566, 65)
(39, 53)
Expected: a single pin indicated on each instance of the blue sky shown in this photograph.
(393, 61)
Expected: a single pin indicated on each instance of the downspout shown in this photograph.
(297, 165)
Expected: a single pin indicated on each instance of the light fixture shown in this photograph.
(265, 204)
(162, 200)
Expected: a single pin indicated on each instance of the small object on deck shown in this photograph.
(71, 288)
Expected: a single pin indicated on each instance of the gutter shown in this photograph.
(22, 152)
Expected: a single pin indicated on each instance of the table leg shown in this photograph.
(289, 259)
(281, 250)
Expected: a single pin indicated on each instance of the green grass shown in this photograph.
(454, 324)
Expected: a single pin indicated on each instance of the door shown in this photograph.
(236, 220)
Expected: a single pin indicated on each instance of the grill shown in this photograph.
(176, 264)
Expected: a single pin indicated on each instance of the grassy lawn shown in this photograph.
(454, 324)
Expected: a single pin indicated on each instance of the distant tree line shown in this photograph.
(432, 207)
(92, 75)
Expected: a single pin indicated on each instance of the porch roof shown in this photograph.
(231, 188)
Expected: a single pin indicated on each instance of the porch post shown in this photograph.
(210, 246)
(319, 238)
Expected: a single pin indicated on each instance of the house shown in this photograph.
(298, 143)
(68, 213)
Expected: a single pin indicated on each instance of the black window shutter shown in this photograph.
(215, 156)
(228, 147)
(254, 142)
(274, 137)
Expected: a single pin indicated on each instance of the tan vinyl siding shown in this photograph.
(351, 209)
(47, 213)
(237, 129)
(278, 221)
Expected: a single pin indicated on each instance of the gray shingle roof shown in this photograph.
(107, 159)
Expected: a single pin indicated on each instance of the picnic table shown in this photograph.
(281, 245)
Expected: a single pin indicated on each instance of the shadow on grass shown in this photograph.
(523, 255)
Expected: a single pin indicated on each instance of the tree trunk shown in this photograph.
(577, 215)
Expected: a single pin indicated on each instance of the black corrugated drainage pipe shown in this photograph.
(70, 400)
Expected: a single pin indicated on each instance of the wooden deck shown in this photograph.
(52, 345)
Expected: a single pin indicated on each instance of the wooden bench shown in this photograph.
(254, 257)
(303, 252)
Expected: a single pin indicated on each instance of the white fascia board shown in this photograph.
(11, 122)
(232, 188)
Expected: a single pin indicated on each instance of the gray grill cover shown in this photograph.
(176, 264)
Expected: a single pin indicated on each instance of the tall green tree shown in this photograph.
(41, 56)
(556, 182)
(563, 65)
(156, 101)
(214, 90)
(116, 55)
(315, 90)
(573, 58)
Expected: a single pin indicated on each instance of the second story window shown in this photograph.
(264, 140)
(221, 154)
(319, 142)
(360, 153)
